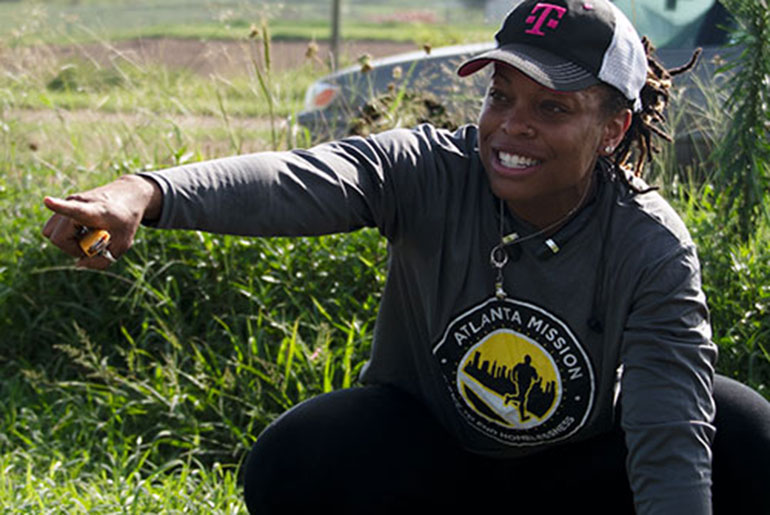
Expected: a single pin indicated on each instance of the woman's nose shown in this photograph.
(516, 123)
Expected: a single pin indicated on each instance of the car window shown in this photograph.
(671, 23)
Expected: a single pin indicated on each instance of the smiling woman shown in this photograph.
(543, 338)
(540, 146)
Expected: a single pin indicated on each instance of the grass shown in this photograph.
(418, 33)
(58, 464)
(24, 23)
(305, 30)
(140, 389)
(143, 388)
(123, 85)
(114, 400)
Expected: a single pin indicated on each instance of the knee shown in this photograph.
(278, 466)
(261, 472)
(741, 470)
(312, 446)
(742, 421)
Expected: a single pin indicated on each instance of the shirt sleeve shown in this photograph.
(334, 187)
(667, 402)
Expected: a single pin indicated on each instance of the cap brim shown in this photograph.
(543, 67)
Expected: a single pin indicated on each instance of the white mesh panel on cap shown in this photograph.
(625, 63)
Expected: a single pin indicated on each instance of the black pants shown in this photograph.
(376, 450)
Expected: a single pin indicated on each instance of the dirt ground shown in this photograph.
(225, 58)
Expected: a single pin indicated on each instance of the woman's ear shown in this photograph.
(615, 129)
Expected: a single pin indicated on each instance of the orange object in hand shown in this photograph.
(94, 243)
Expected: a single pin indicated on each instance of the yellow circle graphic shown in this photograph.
(510, 379)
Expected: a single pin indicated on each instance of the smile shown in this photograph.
(516, 160)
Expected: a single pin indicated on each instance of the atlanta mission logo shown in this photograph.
(516, 372)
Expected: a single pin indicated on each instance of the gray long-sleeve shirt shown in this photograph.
(609, 305)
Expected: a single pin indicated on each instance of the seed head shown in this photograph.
(366, 63)
(311, 52)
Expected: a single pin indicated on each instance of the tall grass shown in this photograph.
(735, 263)
(743, 157)
(736, 280)
(141, 388)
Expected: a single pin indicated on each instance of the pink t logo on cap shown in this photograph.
(538, 21)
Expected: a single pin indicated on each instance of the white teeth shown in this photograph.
(516, 161)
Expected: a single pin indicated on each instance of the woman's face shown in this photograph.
(539, 146)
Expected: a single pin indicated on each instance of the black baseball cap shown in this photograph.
(569, 45)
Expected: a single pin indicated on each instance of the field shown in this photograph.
(139, 389)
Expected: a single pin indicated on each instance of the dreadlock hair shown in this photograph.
(649, 122)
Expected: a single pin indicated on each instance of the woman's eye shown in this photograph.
(554, 108)
(496, 95)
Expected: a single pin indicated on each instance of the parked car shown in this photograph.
(335, 104)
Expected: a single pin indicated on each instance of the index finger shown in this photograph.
(64, 233)
(82, 212)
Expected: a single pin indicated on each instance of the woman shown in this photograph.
(543, 339)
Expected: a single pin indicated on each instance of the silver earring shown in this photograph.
(609, 149)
